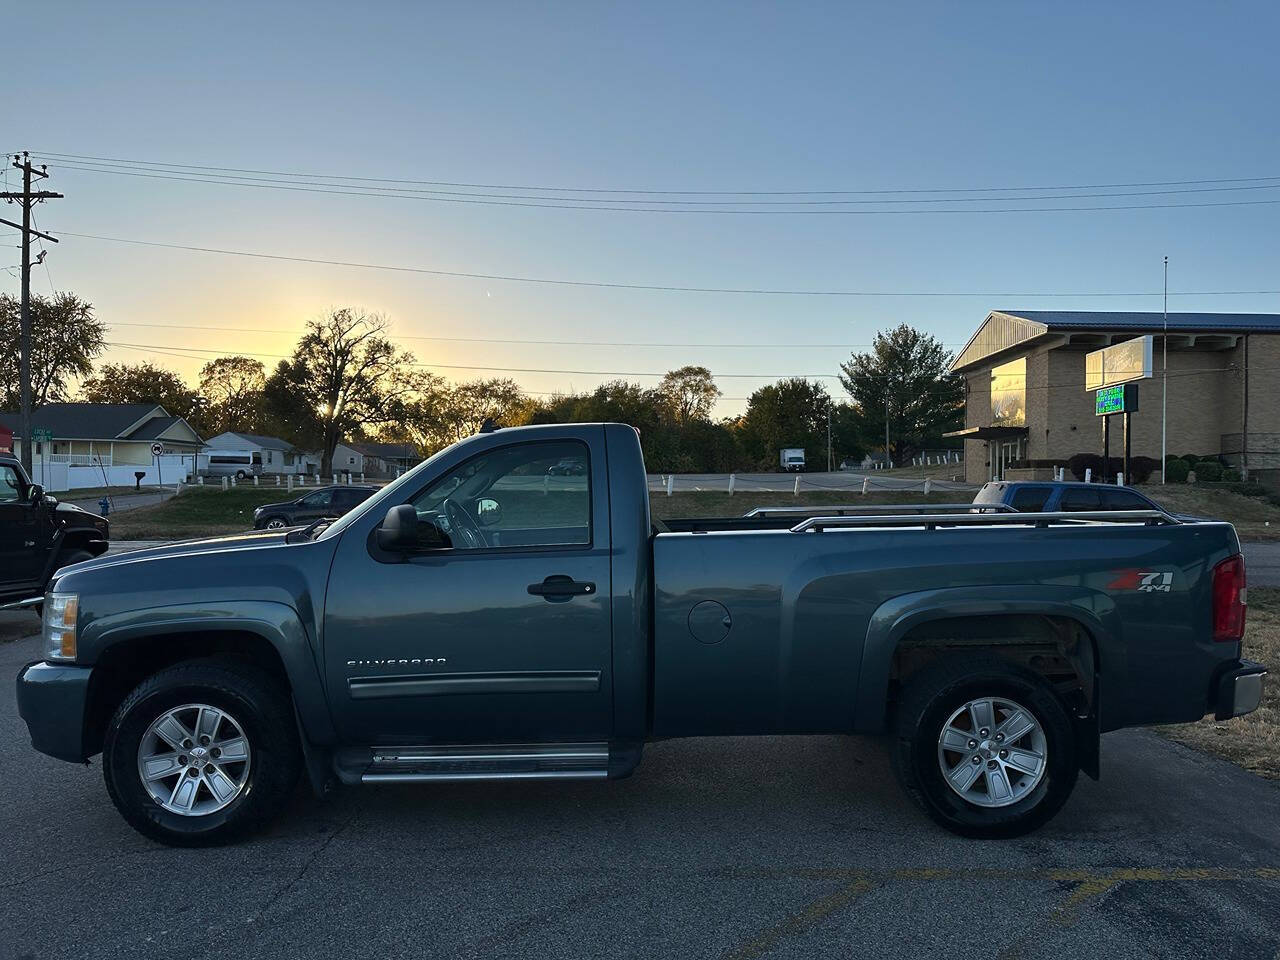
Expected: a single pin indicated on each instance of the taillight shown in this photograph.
(1229, 599)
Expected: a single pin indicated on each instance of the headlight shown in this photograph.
(257, 512)
(60, 610)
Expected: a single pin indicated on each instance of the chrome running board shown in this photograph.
(551, 761)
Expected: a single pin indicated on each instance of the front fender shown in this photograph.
(277, 623)
(895, 618)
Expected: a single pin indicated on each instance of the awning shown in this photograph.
(988, 433)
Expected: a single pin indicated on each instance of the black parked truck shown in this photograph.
(39, 535)
(482, 619)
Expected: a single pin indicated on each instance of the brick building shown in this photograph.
(1026, 408)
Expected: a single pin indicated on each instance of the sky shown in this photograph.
(653, 96)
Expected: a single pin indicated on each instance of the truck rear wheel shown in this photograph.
(202, 753)
(984, 746)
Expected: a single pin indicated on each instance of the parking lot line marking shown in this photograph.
(797, 923)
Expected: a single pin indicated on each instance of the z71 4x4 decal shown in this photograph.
(1144, 581)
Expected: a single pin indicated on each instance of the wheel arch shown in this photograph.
(1002, 617)
(274, 640)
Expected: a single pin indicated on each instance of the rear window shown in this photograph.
(1030, 499)
(1123, 500)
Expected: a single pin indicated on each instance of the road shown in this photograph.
(122, 501)
(782, 847)
(1262, 564)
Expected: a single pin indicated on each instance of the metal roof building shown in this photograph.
(1027, 410)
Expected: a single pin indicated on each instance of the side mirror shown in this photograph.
(36, 493)
(399, 530)
(488, 512)
(402, 532)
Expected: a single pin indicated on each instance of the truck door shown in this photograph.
(498, 629)
(21, 535)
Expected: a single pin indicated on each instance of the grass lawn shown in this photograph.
(196, 512)
(1251, 741)
(1254, 517)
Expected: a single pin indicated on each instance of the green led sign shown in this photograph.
(1120, 398)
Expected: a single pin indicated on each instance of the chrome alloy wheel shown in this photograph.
(276, 524)
(194, 760)
(992, 752)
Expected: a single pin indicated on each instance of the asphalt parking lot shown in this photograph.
(720, 848)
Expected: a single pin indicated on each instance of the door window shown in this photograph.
(321, 498)
(1030, 499)
(11, 486)
(1081, 498)
(525, 495)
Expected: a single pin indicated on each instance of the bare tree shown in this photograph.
(344, 377)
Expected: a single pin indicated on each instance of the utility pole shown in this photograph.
(1164, 380)
(886, 427)
(830, 468)
(28, 199)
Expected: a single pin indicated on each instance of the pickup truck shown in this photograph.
(38, 535)
(482, 619)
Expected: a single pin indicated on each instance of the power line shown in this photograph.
(704, 193)
(462, 366)
(201, 353)
(616, 209)
(504, 340)
(646, 286)
(352, 189)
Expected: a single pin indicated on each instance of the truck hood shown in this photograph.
(247, 541)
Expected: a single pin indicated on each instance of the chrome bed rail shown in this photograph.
(840, 510)
(933, 521)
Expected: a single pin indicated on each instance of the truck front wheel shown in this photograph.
(984, 746)
(202, 753)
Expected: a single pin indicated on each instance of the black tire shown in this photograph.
(240, 475)
(261, 708)
(70, 556)
(928, 701)
(284, 522)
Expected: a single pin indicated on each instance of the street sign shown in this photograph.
(157, 449)
(41, 434)
(1119, 363)
(1119, 398)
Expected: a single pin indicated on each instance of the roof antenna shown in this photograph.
(489, 426)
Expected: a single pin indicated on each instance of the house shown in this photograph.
(106, 444)
(387, 459)
(277, 455)
(1027, 409)
(6, 440)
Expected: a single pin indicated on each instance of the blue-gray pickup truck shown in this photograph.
(490, 616)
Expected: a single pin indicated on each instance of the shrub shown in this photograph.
(1208, 471)
(1176, 471)
(1077, 463)
(1231, 475)
(1141, 469)
(1191, 458)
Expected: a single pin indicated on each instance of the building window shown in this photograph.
(1009, 394)
(351, 459)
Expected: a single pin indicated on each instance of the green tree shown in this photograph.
(688, 394)
(141, 383)
(345, 376)
(789, 413)
(910, 369)
(66, 338)
(232, 391)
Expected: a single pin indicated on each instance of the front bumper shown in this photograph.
(1239, 690)
(51, 699)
